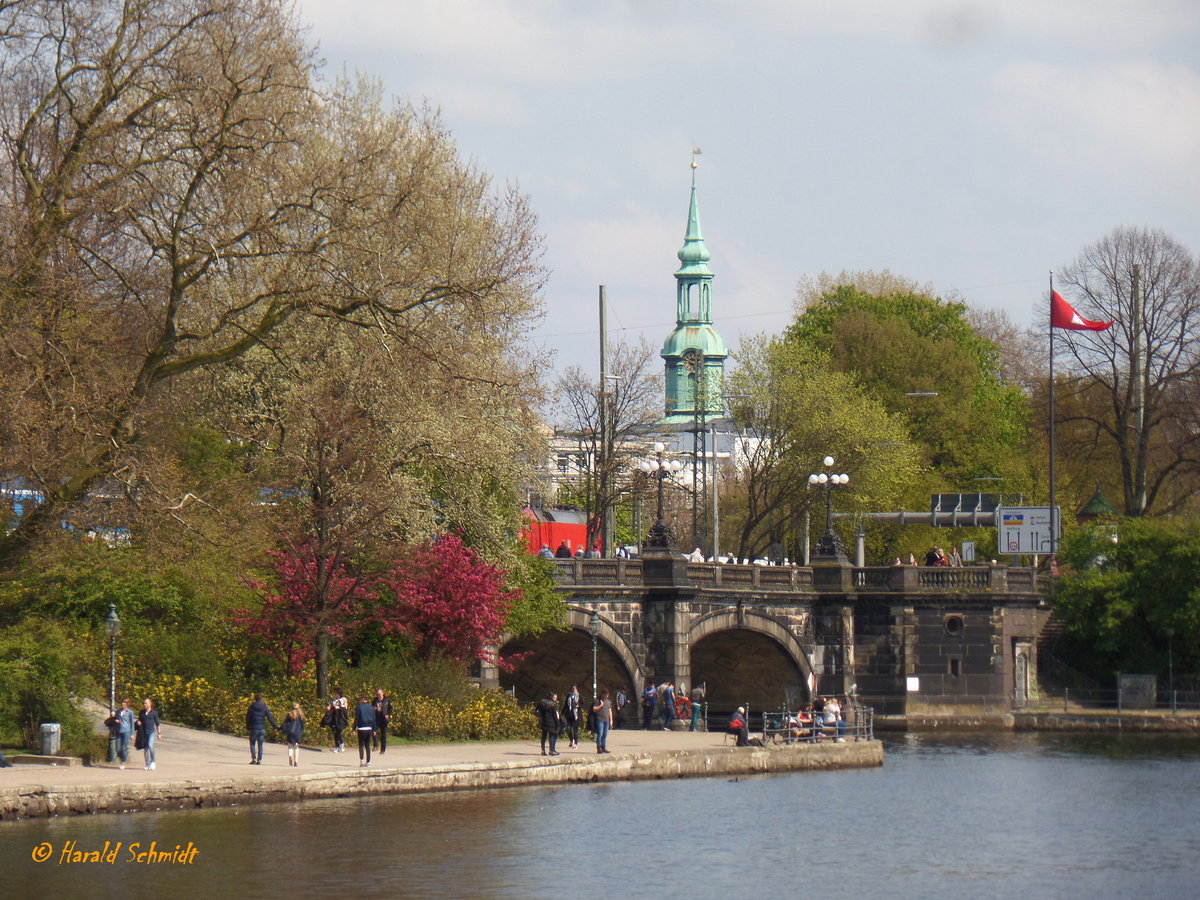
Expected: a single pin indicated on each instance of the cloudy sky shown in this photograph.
(971, 145)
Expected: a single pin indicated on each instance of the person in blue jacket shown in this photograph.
(125, 725)
(293, 730)
(364, 725)
(257, 716)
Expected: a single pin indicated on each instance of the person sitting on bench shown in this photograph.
(738, 726)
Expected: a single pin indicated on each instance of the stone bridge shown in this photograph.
(914, 642)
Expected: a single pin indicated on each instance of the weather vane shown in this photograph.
(696, 151)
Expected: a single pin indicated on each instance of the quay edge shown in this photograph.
(983, 720)
(18, 803)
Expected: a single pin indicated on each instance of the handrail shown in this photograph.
(799, 579)
(857, 723)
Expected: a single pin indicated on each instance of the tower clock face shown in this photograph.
(693, 359)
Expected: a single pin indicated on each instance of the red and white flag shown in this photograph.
(1063, 315)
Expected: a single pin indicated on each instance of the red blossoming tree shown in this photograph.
(446, 600)
(318, 599)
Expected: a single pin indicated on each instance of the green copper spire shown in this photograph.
(694, 353)
(693, 255)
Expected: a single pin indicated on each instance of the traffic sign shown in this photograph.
(1027, 529)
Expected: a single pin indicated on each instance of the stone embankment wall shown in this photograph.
(1110, 722)
(724, 762)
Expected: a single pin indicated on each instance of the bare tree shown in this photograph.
(632, 405)
(1022, 350)
(1131, 392)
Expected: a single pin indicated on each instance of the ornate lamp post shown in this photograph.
(594, 631)
(660, 468)
(830, 545)
(112, 627)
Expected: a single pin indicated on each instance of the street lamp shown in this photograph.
(594, 631)
(660, 468)
(112, 627)
(830, 545)
(1171, 666)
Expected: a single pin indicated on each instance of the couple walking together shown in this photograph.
(554, 722)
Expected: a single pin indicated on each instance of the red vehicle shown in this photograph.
(550, 527)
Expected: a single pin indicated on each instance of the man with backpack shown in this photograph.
(648, 697)
(666, 704)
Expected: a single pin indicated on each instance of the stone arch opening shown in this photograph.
(554, 660)
(747, 658)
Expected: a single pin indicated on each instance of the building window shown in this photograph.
(954, 626)
(954, 667)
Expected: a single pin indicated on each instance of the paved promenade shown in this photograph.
(200, 769)
(187, 754)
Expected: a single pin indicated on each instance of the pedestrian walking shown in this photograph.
(126, 722)
(549, 721)
(621, 702)
(666, 704)
(364, 727)
(147, 732)
(257, 717)
(603, 716)
(337, 717)
(293, 730)
(383, 715)
(649, 693)
(570, 717)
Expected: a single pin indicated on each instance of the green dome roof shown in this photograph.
(702, 337)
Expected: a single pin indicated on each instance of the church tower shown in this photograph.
(694, 353)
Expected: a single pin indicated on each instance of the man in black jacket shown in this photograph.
(257, 717)
(383, 715)
(548, 718)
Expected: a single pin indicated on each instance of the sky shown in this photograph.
(972, 146)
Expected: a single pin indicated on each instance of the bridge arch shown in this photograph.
(747, 656)
(580, 616)
(557, 659)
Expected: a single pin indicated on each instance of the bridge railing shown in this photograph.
(628, 573)
(911, 579)
(892, 579)
(604, 572)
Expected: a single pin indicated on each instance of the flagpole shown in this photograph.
(1053, 536)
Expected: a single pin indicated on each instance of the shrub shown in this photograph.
(492, 715)
(43, 670)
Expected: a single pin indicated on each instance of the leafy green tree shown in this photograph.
(42, 670)
(919, 356)
(1129, 591)
(179, 191)
(792, 408)
(537, 606)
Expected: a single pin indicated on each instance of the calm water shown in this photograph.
(1026, 816)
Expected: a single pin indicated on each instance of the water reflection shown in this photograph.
(1008, 815)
